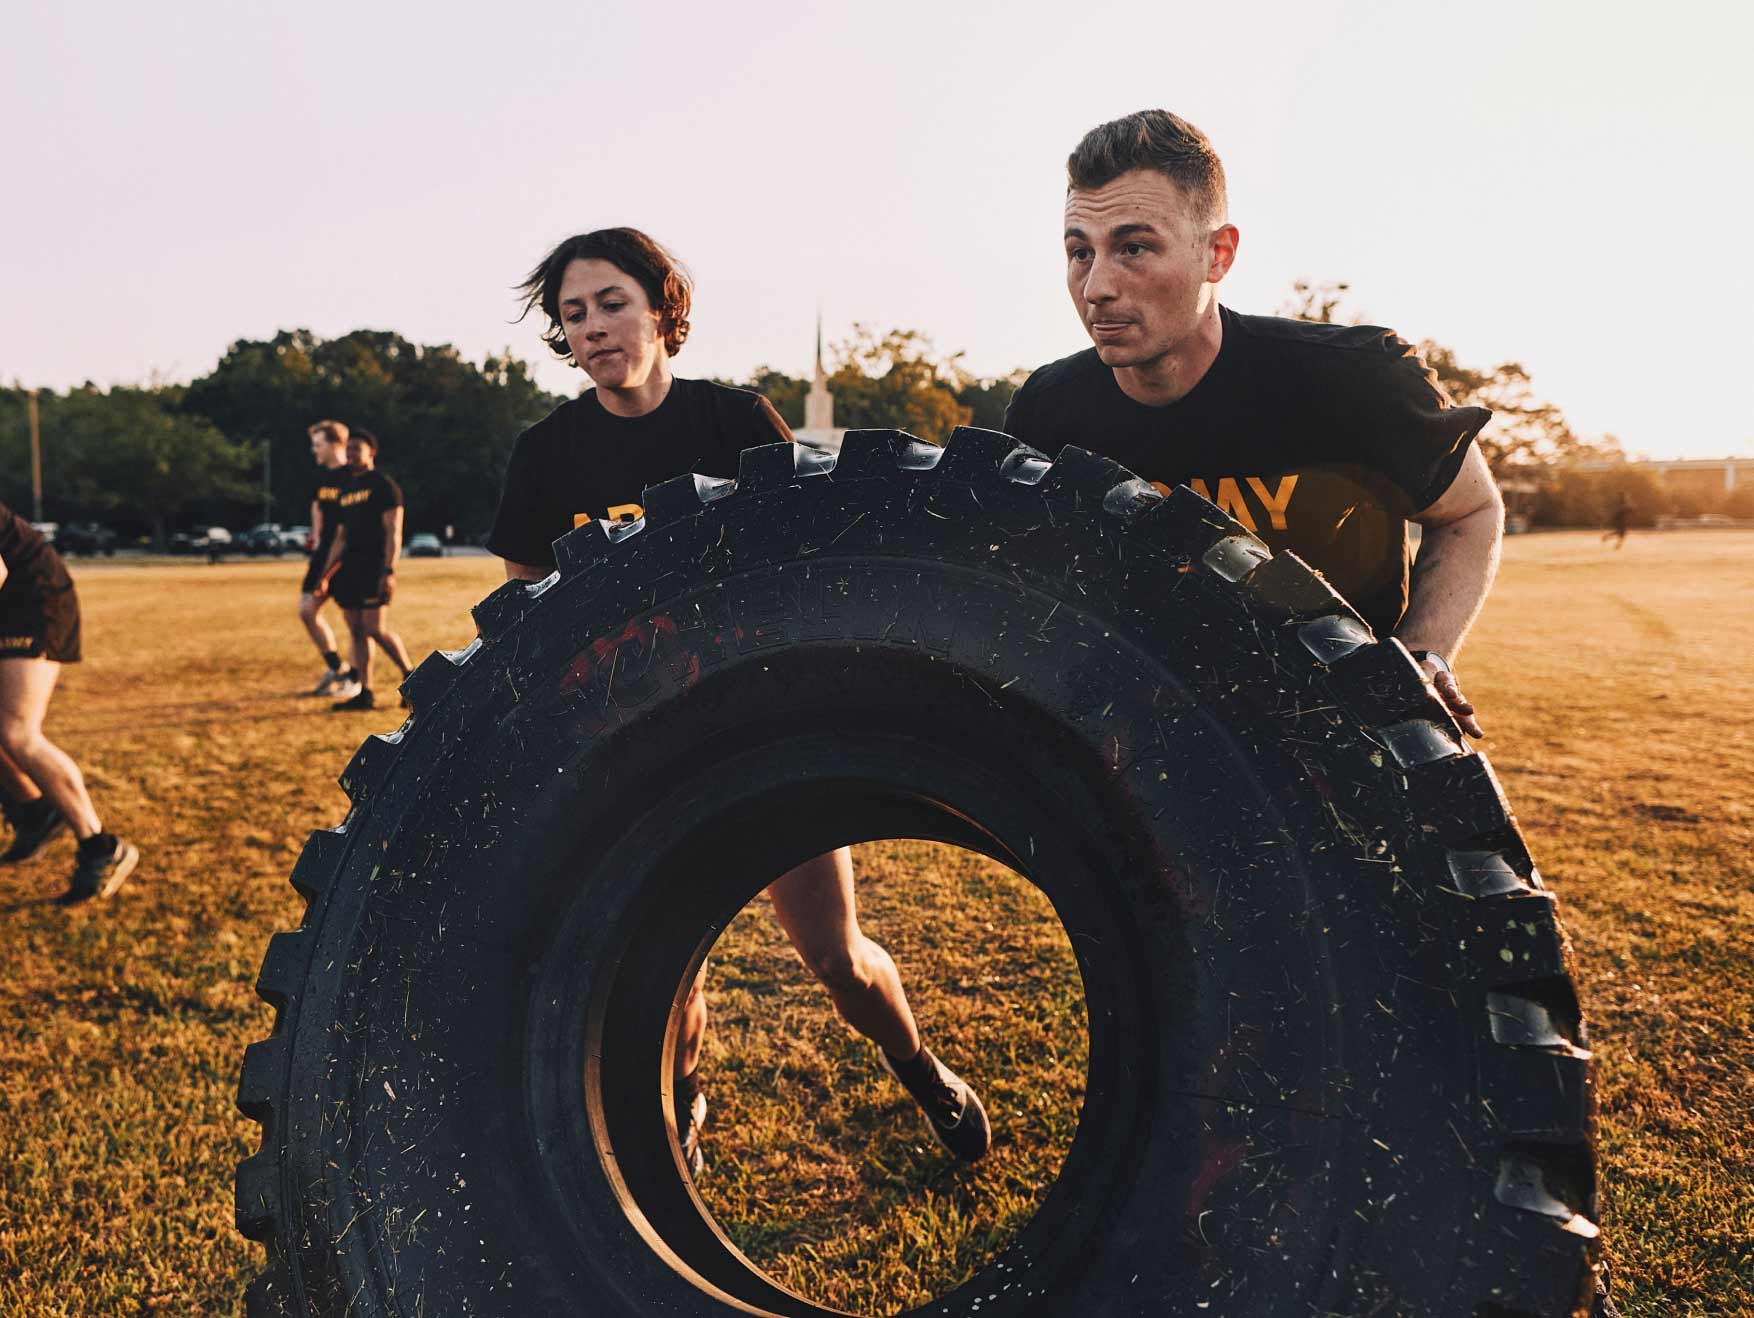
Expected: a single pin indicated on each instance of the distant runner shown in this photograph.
(1622, 521)
(361, 569)
(329, 449)
(41, 788)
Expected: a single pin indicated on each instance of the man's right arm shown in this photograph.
(330, 563)
(314, 536)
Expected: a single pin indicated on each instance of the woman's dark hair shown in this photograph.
(1151, 139)
(667, 285)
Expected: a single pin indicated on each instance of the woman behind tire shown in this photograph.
(617, 306)
(41, 788)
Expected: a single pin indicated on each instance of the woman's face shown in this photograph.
(609, 324)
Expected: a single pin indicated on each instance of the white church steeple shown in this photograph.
(819, 403)
(819, 429)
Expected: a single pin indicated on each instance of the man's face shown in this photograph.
(325, 450)
(1142, 265)
(359, 455)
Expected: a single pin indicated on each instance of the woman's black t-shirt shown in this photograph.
(1320, 439)
(582, 461)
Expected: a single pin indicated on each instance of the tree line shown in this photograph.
(150, 459)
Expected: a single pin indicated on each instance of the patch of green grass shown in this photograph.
(821, 1169)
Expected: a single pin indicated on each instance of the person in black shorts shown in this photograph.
(41, 788)
(329, 449)
(617, 305)
(1322, 439)
(361, 571)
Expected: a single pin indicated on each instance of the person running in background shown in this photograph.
(41, 788)
(617, 307)
(1622, 520)
(361, 569)
(329, 449)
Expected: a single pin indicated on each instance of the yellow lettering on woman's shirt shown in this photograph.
(618, 512)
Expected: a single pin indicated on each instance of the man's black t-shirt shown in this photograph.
(327, 497)
(364, 500)
(1321, 439)
(582, 461)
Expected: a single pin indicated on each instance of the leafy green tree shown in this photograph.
(1318, 302)
(896, 380)
(132, 457)
(785, 392)
(446, 426)
(987, 399)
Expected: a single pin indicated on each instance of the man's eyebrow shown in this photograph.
(601, 292)
(1118, 232)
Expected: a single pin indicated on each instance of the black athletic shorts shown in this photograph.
(39, 612)
(314, 570)
(358, 585)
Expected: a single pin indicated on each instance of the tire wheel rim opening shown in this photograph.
(606, 1092)
(817, 1160)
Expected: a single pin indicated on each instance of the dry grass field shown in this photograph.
(1616, 691)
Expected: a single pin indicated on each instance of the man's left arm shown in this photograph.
(392, 547)
(1458, 558)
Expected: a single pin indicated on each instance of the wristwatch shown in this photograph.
(1435, 659)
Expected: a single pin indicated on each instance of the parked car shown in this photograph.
(295, 538)
(263, 538)
(214, 541)
(425, 545)
(85, 538)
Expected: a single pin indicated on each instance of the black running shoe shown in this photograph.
(690, 1119)
(33, 823)
(949, 1102)
(360, 700)
(105, 860)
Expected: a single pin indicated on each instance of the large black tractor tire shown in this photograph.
(1337, 1065)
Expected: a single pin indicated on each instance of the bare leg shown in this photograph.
(25, 688)
(311, 615)
(15, 784)
(815, 906)
(388, 641)
(362, 644)
(693, 1027)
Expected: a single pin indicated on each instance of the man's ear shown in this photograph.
(1221, 252)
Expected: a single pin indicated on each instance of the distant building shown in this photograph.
(819, 430)
(1702, 475)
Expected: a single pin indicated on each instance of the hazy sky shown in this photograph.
(1565, 185)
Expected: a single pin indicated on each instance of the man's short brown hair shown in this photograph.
(333, 431)
(1151, 139)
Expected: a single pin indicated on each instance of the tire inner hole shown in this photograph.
(819, 1167)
